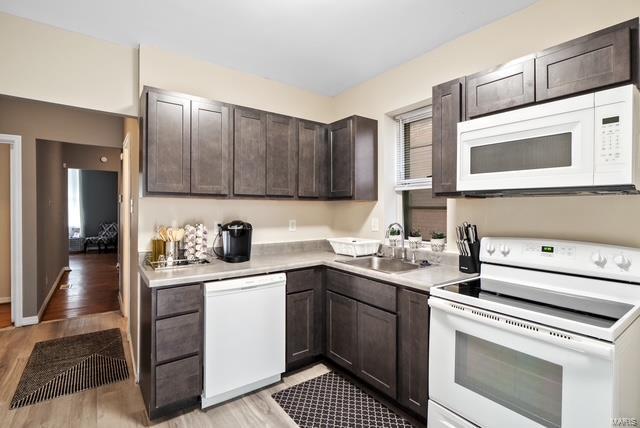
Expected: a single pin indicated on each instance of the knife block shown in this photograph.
(470, 264)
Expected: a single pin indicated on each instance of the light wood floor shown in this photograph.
(94, 287)
(120, 404)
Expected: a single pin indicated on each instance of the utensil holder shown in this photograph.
(171, 251)
(470, 264)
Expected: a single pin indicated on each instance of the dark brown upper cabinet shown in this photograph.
(504, 87)
(249, 150)
(353, 159)
(282, 166)
(599, 59)
(168, 143)
(196, 146)
(448, 109)
(210, 151)
(312, 160)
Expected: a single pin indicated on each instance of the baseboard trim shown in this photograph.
(5, 299)
(28, 321)
(133, 357)
(53, 289)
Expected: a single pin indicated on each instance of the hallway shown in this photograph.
(93, 287)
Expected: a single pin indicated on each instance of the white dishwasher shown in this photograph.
(244, 336)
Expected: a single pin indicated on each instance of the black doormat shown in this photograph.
(71, 364)
(332, 401)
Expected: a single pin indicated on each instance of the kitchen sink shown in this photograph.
(382, 264)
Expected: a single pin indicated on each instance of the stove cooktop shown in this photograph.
(583, 309)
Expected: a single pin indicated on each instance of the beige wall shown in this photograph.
(36, 120)
(5, 222)
(44, 63)
(610, 219)
(269, 218)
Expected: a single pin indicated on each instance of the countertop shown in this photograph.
(420, 279)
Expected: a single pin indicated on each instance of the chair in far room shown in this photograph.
(107, 236)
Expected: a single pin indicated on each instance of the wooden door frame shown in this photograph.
(15, 143)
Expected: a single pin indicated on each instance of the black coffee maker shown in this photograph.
(236, 241)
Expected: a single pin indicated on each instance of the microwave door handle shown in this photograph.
(591, 347)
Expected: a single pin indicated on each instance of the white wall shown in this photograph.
(44, 63)
(610, 219)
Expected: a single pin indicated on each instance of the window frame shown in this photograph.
(415, 115)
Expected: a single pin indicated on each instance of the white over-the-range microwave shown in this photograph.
(586, 143)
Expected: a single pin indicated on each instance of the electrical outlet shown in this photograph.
(375, 224)
(292, 225)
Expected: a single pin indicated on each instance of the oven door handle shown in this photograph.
(543, 334)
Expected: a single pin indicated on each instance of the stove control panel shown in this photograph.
(582, 258)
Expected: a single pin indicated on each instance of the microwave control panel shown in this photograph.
(610, 147)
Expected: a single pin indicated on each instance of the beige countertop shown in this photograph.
(420, 279)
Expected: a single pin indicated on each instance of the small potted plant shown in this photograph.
(394, 236)
(438, 240)
(415, 238)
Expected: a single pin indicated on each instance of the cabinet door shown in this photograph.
(590, 62)
(249, 147)
(341, 159)
(448, 110)
(310, 160)
(342, 333)
(168, 145)
(413, 351)
(209, 148)
(377, 348)
(282, 167)
(510, 85)
(301, 325)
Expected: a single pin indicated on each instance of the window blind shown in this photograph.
(413, 150)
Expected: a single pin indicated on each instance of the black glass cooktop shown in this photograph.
(588, 310)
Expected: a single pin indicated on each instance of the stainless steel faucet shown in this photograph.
(393, 248)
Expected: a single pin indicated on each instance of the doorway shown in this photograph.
(91, 283)
(78, 193)
(5, 231)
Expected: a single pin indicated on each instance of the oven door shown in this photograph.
(543, 146)
(497, 371)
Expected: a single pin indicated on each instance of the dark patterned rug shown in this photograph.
(71, 364)
(332, 401)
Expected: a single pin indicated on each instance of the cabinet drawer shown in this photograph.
(303, 280)
(178, 336)
(362, 289)
(177, 300)
(178, 380)
(590, 62)
(510, 85)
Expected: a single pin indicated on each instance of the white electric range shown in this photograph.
(547, 336)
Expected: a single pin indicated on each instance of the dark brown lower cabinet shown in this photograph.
(413, 351)
(342, 331)
(377, 348)
(171, 339)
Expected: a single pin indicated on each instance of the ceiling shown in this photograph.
(324, 46)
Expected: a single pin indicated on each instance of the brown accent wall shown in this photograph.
(37, 120)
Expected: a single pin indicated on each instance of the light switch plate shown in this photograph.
(375, 224)
(292, 225)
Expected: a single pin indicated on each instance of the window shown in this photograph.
(421, 211)
(75, 212)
